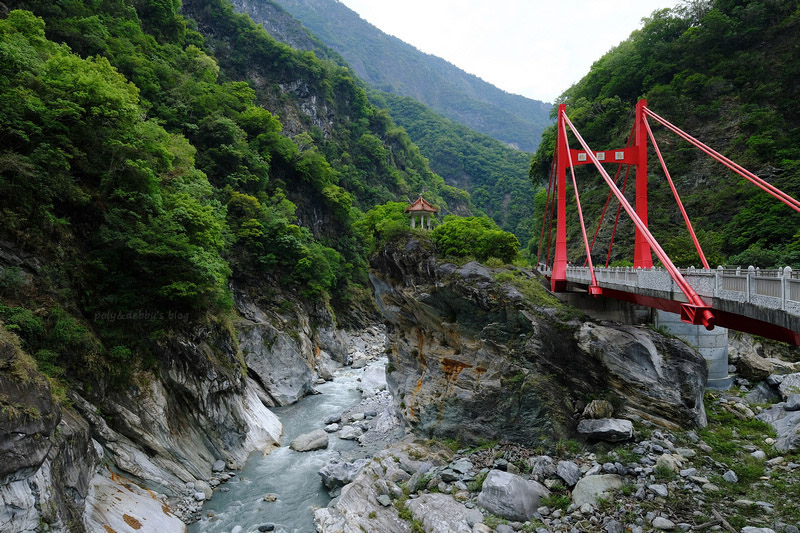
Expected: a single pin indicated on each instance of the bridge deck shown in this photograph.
(763, 302)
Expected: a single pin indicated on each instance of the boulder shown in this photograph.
(598, 409)
(373, 380)
(753, 367)
(793, 403)
(569, 472)
(607, 429)
(786, 425)
(339, 473)
(440, 513)
(542, 467)
(350, 433)
(790, 385)
(316, 440)
(590, 488)
(511, 496)
(762, 393)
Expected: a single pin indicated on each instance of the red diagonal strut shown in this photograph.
(696, 311)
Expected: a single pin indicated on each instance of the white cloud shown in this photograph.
(531, 47)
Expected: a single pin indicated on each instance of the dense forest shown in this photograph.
(726, 72)
(495, 175)
(141, 170)
(390, 65)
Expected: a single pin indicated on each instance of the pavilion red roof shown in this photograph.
(421, 206)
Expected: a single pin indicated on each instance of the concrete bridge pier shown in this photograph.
(712, 345)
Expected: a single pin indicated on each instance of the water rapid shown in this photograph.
(291, 476)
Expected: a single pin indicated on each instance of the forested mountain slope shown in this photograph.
(726, 72)
(495, 175)
(393, 66)
(145, 164)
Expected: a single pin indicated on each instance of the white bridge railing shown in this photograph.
(771, 289)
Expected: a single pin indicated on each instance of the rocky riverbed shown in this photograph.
(343, 423)
(730, 476)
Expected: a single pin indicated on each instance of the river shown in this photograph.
(290, 475)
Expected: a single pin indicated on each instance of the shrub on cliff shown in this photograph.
(477, 237)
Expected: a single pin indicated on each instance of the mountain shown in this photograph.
(727, 73)
(393, 66)
(495, 175)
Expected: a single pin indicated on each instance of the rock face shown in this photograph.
(46, 457)
(472, 358)
(511, 496)
(284, 351)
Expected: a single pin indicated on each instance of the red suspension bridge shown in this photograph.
(765, 303)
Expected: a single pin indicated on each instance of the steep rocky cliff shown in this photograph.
(480, 354)
(145, 452)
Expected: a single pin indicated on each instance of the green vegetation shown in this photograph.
(725, 72)
(495, 175)
(557, 500)
(140, 163)
(477, 237)
(396, 67)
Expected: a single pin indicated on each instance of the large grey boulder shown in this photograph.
(373, 380)
(440, 513)
(753, 367)
(591, 488)
(607, 429)
(569, 471)
(339, 473)
(762, 393)
(316, 440)
(511, 496)
(786, 425)
(790, 385)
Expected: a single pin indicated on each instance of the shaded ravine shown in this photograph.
(292, 476)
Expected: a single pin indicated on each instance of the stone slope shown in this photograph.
(474, 359)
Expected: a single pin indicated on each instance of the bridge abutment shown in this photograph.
(712, 345)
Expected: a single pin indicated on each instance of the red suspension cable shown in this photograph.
(677, 197)
(594, 288)
(608, 200)
(752, 178)
(544, 214)
(616, 219)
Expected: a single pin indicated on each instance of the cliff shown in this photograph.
(479, 354)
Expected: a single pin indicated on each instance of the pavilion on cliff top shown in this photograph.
(423, 210)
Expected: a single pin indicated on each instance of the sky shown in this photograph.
(536, 48)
